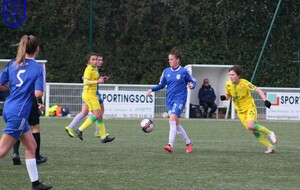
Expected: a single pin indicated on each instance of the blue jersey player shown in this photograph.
(177, 79)
(25, 78)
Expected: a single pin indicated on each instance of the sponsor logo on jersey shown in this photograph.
(251, 86)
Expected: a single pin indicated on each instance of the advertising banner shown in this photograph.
(128, 104)
(285, 106)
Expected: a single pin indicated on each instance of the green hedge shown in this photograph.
(135, 37)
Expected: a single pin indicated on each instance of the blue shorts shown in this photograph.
(176, 108)
(100, 99)
(15, 126)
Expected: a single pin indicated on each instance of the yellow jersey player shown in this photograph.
(100, 127)
(239, 90)
(91, 80)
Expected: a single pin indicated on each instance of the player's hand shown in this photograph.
(100, 80)
(149, 92)
(223, 97)
(41, 107)
(190, 85)
(268, 104)
(105, 78)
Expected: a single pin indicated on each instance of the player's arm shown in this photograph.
(161, 85)
(40, 104)
(92, 82)
(4, 87)
(263, 97)
(155, 88)
(4, 78)
(105, 78)
(39, 85)
(87, 81)
(261, 94)
(38, 93)
(224, 97)
(191, 80)
(227, 95)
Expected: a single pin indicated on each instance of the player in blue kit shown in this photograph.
(25, 78)
(177, 79)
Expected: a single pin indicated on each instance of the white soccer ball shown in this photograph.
(147, 125)
(165, 115)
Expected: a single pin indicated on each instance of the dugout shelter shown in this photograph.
(218, 76)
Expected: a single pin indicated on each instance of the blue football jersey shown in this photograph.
(23, 81)
(176, 82)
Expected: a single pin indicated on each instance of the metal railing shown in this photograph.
(68, 95)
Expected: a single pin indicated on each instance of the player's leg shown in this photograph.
(31, 165)
(77, 119)
(36, 132)
(6, 143)
(101, 127)
(11, 133)
(16, 156)
(97, 133)
(181, 132)
(94, 106)
(103, 135)
(266, 131)
(254, 126)
(175, 111)
(261, 138)
(248, 119)
(172, 132)
(84, 112)
(34, 122)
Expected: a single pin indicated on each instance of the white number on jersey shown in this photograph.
(19, 77)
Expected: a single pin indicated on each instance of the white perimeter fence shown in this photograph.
(68, 95)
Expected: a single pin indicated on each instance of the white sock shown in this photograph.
(77, 119)
(183, 134)
(97, 129)
(32, 169)
(172, 133)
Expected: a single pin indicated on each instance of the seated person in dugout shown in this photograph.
(207, 99)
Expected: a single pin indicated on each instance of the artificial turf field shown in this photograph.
(225, 156)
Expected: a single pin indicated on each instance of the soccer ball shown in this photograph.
(147, 125)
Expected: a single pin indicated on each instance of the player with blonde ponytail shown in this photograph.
(25, 78)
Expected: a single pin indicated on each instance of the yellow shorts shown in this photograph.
(91, 101)
(249, 115)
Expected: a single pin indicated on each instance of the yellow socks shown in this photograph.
(262, 129)
(88, 122)
(263, 140)
(101, 128)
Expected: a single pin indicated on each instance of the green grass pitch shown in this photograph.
(225, 156)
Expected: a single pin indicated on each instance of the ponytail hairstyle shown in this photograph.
(28, 44)
(176, 52)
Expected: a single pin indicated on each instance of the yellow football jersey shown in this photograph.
(91, 74)
(241, 94)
